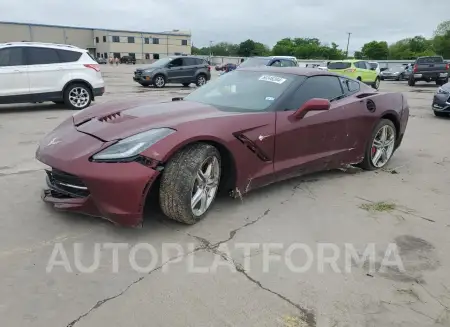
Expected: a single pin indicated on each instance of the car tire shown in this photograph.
(77, 96)
(411, 82)
(159, 81)
(181, 182)
(376, 85)
(440, 114)
(200, 80)
(372, 149)
(186, 84)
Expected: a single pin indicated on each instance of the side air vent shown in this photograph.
(252, 147)
(370, 105)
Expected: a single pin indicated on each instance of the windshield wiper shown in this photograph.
(338, 98)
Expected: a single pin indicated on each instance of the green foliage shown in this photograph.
(304, 48)
(312, 48)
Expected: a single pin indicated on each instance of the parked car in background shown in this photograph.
(102, 61)
(358, 69)
(128, 60)
(228, 67)
(38, 72)
(441, 101)
(396, 73)
(376, 66)
(316, 66)
(177, 69)
(427, 69)
(274, 61)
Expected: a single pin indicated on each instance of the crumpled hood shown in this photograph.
(109, 122)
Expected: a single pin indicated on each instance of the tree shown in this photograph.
(251, 48)
(375, 50)
(307, 48)
(442, 29)
(411, 48)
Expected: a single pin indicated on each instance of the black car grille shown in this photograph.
(64, 184)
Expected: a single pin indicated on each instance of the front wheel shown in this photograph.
(159, 81)
(77, 96)
(190, 183)
(381, 146)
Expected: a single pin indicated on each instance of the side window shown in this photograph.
(349, 86)
(189, 62)
(325, 87)
(177, 62)
(12, 57)
(358, 64)
(287, 63)
(276, 63)
(368, 66)
(200, 62)
(70, 56)
(42, 56)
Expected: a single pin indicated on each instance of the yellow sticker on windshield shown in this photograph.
(273, 79)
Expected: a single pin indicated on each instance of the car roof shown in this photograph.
(42, 45)
(301, 71)
(347, 60)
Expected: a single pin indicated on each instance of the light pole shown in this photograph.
(348, 42)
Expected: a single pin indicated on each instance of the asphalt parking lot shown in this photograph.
(406, 204)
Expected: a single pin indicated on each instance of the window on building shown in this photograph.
(156, 56)
(147, 56)
(12, 57)
(116, 39)
(155, 41)
(97, 40)
(104, 38)
(132, 55)
(116, 55)
(147, 40)
(130, 39)
(98, 54)
(42, 56)
(184, 42)
(105, 55)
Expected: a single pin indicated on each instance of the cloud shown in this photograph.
(265, 21)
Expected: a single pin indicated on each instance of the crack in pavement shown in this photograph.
(102, 302)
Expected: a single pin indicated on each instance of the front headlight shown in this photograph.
(133, 145)
(442, 91)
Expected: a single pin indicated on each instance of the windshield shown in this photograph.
(160, 63)
(339, 65)
(243, 90)
(254, 62)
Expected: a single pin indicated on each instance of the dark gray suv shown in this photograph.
(179, 69)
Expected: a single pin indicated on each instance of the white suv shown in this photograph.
(38, 72)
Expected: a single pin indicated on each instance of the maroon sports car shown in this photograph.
(246, 129)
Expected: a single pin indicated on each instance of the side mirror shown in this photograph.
(314, 104)
(372, 68)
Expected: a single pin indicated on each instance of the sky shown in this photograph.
(265, 21)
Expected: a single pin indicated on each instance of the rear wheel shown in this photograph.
(190, 183)
(77, 96)
(376, 85)
(201, 80)
(381, 146)
(411, 82)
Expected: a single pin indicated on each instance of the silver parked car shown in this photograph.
(397, 73)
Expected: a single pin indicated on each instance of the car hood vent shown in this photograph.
(109, 118)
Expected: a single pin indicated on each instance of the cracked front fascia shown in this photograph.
(206, 245)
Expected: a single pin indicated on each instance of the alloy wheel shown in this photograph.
(79, 97)
(382, 146)
(201, 81)
(206, 185)
(159, 81)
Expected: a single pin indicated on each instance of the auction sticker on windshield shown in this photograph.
(273, 79)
